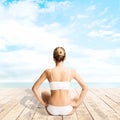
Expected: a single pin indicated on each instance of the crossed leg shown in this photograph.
(46, 95)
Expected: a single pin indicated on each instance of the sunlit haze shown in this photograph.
(89, 30)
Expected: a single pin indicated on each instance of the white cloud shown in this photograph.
(116, 35)
(104, 12)
(91, 8)
(51, 7)
(18, 28)
(16, 33)
(2, 44)
(95, 66)
(21, 10)
(100, 33)
(117, 52)
(93, 70)
(105, 34)
(37, 42)
(80, 16)
(24, 64)
(99, 23)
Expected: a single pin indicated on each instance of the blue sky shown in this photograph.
(89, 30)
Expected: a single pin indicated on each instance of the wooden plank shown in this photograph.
(99, 104)
(5, 92)
(15, 111)
(4, 110)
(71, 117)
(102, 95)
(9, 96)
(29, 110)
(98, 109)
(7, 104)
(82, 112)
(114, 94)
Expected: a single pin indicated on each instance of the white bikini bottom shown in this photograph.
(59, 110)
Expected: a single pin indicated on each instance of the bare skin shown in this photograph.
(59, 97)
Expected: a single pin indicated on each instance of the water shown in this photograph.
(46, 85)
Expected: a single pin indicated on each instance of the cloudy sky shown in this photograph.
(89, 30)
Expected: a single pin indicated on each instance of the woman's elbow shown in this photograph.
(85, 88)
(34, 89)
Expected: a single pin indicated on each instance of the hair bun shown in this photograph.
(60, 52)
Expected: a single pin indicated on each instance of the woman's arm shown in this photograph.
(37, 85)
(83, 86)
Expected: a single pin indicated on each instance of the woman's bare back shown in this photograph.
(59, 97)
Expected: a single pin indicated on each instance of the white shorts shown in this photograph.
(59, 110)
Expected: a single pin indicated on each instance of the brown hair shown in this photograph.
(59, 54)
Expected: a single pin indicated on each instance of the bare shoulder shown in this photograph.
(48, 72)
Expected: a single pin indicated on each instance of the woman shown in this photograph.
(58, 102)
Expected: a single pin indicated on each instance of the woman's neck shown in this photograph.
(59, 64)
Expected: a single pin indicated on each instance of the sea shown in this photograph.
(46, 85)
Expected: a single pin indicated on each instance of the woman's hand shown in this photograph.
(74, 104)
(44, 104)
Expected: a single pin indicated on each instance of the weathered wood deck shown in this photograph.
(99, 104)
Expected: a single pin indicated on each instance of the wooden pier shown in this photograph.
(99, 104)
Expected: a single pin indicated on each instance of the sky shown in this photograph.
(89, 30)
